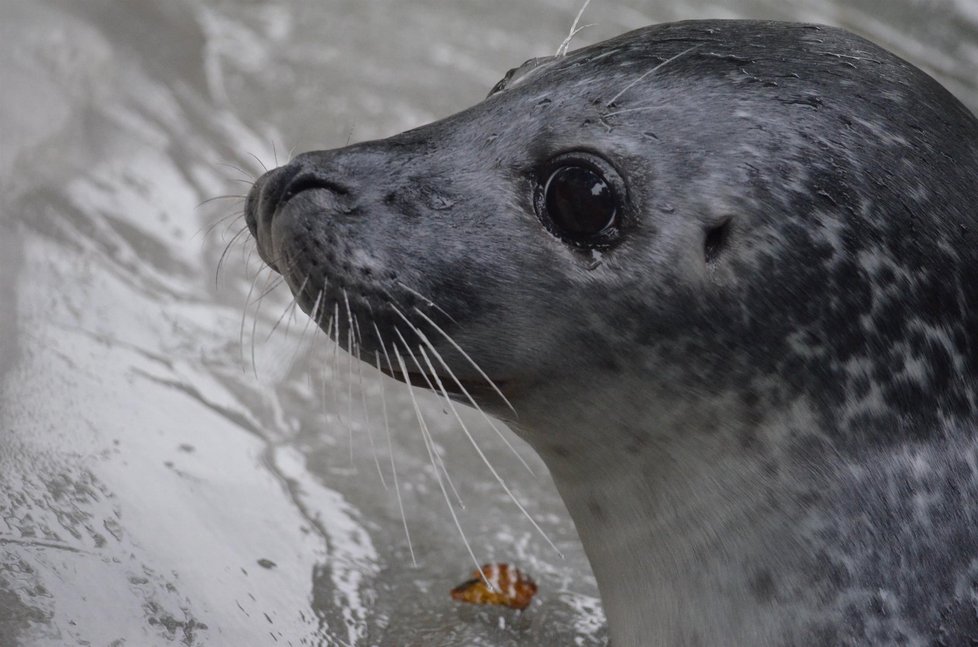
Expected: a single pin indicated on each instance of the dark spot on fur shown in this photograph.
(715, 239)
(595, 508)
(748, 440)
(762, 586)
(560, 451)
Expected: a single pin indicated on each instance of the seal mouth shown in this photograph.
(468, 389)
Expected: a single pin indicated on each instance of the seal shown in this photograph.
(726, 275)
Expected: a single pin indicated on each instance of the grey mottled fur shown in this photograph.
(775, 446)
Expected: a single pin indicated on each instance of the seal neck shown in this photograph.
(737, 534)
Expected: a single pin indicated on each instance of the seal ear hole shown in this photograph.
(715, 240)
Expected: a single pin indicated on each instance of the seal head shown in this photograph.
(726, 274)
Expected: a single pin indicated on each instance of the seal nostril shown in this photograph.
(715, 240)
(308, 182)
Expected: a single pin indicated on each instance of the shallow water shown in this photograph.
(178, 467)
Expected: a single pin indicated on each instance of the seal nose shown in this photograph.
(307, 172)
(262, 202)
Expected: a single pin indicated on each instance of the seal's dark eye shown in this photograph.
(580, 200)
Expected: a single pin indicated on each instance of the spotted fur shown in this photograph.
(772, 443)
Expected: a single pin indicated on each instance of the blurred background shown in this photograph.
(182, 459)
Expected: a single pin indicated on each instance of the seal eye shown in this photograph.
(580, 201)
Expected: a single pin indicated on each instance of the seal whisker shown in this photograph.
(482, 455)
(349, 383)
(254, 322)
(356, 329)
(227, 248)
(636, 109)
(268, 289)
(431, 387)
(349, 388)
(229, 219)
(336, 369)
(311, 318)
(305, 331)
(259, 161)
(431, 456)
(352, 320)
(239, 196)
(289, 308)
(465, 392)
(327, 365)
(290, 317)
(427, 301)
(562, 50)
(366, 416)
(279, 280)
(390, 443)
(244, 310)
(383, 346)
(652, 71)
(471, 361)
(249, 177)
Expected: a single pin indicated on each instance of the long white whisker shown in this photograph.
(336, 372)
(427, 301)
(349, 311)
(562, 50)
(349, 387)
(327, 365)
(350, 341)
(468, 358)
(305, 331)
(290, 308)
(636, 109)
(259, 161)
(244, 316)
(356, 327)
(485, 459)
(653, 70)
(390, 450)
(366, 417)
(271, 286)
(248, 177)
(431, 455)
(465, 392)
(227, 248)
(431, 386)
(254, 327)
